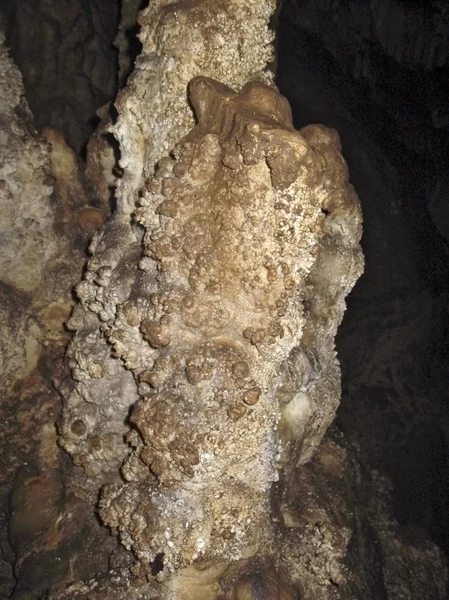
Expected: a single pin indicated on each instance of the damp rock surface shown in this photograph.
(220, 326)
(41, 257)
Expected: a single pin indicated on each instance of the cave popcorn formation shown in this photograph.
(363, 520)
(221, 331)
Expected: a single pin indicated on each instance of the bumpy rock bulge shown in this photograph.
(221, 330)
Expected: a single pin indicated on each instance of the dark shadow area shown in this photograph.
(128, 37)
(157, 566)
(67, 60)
(389, 110)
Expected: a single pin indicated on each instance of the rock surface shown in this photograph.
(218, 338)
(42, 244)
(205, 336)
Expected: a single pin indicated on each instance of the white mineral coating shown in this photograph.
(27, 239)
(32, 303)
(229, 41)
(221, 324)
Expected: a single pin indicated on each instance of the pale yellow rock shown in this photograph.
(227, 321)
(211, 301)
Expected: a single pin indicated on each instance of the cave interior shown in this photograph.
(378, 72)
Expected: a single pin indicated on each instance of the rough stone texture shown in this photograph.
(228, 41)
(337, 539)
(153, 116)
(222, 334)
(39, 194)
(341, 540)
(25, 188)
(28, 242)
(42, 241)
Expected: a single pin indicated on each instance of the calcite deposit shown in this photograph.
(202, 368)
(229, 41)
(221, 323)
(202, 372)
(35, 273)
(42, 252)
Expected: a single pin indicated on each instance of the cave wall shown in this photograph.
(377, 71)
(45, 225)
(72, 70)
(367, 501)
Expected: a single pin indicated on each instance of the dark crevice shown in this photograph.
(157, 566)
(390, 117)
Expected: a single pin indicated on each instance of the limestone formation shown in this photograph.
(35, 275)
(42, 251)
(203, 363)
(231, 42)
(222, 332)
(202, 373)
(228, 41)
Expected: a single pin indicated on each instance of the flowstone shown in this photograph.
(220, 316)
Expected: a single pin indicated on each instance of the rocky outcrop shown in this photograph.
(208, 314)
(202, 373)
(44, 229)
(217, 336)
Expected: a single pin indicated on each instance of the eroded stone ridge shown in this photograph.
(221, 330)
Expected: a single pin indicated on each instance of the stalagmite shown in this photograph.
(203, 360)
(173, 432)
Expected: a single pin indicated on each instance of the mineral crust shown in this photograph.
(221, 324)
(203, 365)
